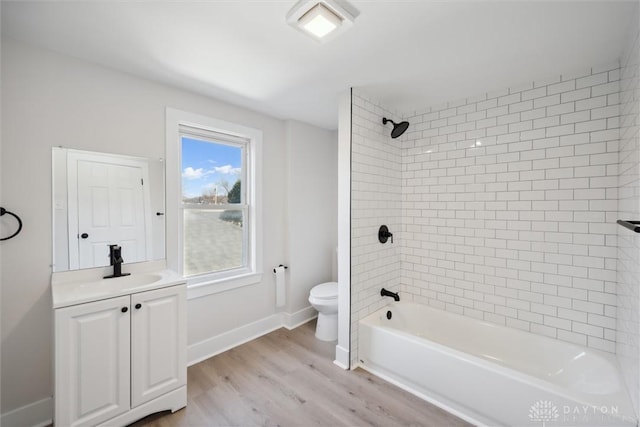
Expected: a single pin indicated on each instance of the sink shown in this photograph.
(134, 280)
(76, 287)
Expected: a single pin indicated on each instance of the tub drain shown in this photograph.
(389, 314)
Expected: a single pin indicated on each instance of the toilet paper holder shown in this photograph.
(281, 265)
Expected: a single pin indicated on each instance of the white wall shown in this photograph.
(344, 229)
(376, 198)
(628, 313)
(26, 301)
(49, 100)
(311, 191)
(1, 203)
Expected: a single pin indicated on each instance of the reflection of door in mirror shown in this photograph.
(108, 204)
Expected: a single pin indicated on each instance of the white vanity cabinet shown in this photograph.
(120, 359)
(158, 343)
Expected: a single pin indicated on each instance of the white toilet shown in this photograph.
(324, 298)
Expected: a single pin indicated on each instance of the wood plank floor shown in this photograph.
(287, 378)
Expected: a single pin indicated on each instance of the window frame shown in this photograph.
(207, 136)
(210, 283)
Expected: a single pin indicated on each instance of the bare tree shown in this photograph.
(223, 183)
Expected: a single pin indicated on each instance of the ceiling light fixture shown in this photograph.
(322, 20)
(319, 21)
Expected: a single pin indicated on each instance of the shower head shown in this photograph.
(398, 128)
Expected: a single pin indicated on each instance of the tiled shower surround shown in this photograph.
(508, 207)
(376, 199)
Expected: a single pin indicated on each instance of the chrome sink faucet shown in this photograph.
(115, 257)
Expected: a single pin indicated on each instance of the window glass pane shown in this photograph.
(213, 240)
(211, 172)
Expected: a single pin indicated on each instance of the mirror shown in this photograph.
(101, 199)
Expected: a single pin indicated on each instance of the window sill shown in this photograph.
(201, 289)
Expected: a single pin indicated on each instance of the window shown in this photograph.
(216, 193)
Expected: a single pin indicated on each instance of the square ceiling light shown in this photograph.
(322, 20)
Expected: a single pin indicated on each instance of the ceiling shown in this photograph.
(406, 54)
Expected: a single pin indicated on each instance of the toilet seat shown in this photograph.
(325, 291)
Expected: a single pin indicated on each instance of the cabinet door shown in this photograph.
(158, 343)
(92, 362)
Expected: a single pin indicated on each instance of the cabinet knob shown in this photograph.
(125, 309)
(138, 306)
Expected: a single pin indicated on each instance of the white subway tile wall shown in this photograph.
(628, 302)
(510, 205)
(376, 199)
(503, 207)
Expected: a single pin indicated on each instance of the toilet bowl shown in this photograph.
(324, 298)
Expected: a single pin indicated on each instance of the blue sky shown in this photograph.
(205, 165)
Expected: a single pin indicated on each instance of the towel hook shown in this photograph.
(4, 211)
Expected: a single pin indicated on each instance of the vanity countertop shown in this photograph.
(77, 287)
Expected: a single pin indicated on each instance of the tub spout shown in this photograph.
(386, 293)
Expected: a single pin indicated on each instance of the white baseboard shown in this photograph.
(342, 357)
(215, 345)
(300, 317)
(220, 343)
(36, 414)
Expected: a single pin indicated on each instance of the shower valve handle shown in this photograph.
(384, 234)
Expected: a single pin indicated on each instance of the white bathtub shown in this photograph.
(490, 374)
